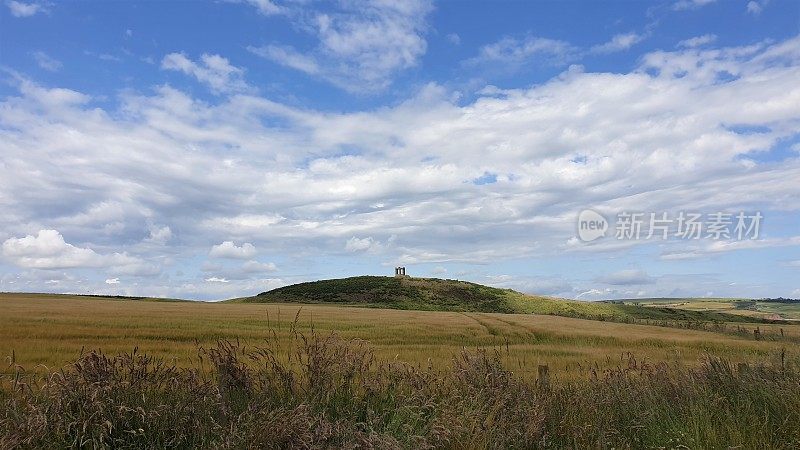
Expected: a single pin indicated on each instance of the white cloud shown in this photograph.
(618, 43)
(217, 280)
(48, 250)
(112, 281)
(453, 38)
(22, 9)
(46, 62)
(527, 50)
(265, 7)
(683, 5)
(303, 182)
(288, 57)
(228, 249)
(533, 50)
(722, 246)
(755, 7)
(361, 45)
(594, 294)
(355, 244)
(258, 267)
(213, 70)
(159, 235)
(698, 41)
(237, 273)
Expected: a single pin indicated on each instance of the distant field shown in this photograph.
(51, 330)
(740, 306)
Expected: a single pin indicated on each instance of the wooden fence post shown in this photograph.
(544, 376)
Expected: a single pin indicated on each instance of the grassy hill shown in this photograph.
(433, 294)
(427, 294)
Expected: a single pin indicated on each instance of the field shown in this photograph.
(753, 308)
(253, 375)
(52, 330)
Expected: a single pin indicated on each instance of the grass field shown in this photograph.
(332, 393)
(51, 330)
(256, 375)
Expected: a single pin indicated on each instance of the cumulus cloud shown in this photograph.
(355, 244)
(48, 250)
(159, 235)
(23, 9)
(361, 45)
(228, 249)
(755, 7)
(213, 70)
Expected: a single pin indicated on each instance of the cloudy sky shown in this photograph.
(216, 149)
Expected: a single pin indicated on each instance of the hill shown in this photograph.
(433, 294)
(428, 294)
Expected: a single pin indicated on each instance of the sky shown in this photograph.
(216, 149)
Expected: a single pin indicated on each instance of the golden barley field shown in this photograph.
(43, 332)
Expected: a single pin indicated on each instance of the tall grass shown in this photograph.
(319, 391)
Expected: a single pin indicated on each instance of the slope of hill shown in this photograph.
(433, 294)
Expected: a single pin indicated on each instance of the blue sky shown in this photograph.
(215, 149)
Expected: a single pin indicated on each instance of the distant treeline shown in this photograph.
(121, 297)
(779, 300)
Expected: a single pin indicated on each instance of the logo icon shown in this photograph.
(591, 225)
